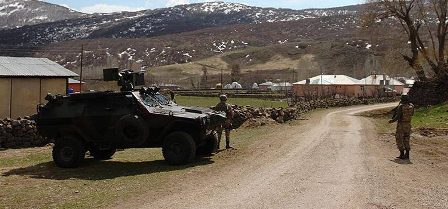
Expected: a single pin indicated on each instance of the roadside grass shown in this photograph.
(431, 149)
(212, 101)
(32, 179)
(431, 117)
(381, 119)
(426, 117)
(29, 178)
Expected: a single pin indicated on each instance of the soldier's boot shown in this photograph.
(219, 139)
(406, 156)
(228, 140)
(228, 145)
(401, 154)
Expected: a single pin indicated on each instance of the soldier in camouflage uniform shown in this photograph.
(227, 126)
(403, 115)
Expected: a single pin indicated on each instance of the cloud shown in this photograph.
(109, 8)
(171, 3)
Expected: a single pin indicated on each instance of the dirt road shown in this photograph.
(333, 160)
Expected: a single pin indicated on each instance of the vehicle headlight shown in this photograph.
(203, 120)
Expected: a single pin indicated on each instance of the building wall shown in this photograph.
(303, 90)
(5, 97)
(264, 88)
(75, 86)
(27, 93)
(370, 90)
(53, 86)
(399, 89)
(25, 96)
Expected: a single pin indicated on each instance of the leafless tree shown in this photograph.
(235, 72)
(204, 78)
(425, 24)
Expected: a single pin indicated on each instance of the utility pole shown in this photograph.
(222, 84)
(80, 74)
(292, 82)
(321, 81)
(293, 75)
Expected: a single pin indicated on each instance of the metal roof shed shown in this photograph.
(25, 81)
(32, 67)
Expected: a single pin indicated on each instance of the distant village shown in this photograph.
(374, 85)
(24, 83)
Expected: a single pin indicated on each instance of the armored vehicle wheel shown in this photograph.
(179, 148)
(102, 154)
(210, 146)
(132, 130)
(68, 152)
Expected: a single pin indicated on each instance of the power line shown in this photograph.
(52, 49)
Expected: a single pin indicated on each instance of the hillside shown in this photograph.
(150, 23)
(17, 13)
(177, 42)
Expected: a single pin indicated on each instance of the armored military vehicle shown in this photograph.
(102, 122)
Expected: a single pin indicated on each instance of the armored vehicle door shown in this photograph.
(102, 113)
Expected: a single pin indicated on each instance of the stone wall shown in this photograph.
(20, 133)
(281, 115)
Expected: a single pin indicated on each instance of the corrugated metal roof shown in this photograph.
(331, 80)
(73, 81)
(376, 80)
(32, 67)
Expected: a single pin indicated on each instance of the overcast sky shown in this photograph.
(105, 6)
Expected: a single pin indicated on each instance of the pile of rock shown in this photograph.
(281, 115)
(19, 133)
(305, 106)
(22, 133)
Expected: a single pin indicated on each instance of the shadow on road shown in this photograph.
(100, 170)
(402, 162)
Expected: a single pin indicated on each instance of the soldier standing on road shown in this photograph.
(403, 115)
(222, 106)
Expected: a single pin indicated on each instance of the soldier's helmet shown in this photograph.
(405, 99)
(223, 97)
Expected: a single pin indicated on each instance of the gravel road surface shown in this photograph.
(332, 160)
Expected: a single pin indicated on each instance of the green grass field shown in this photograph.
(212, 101)
(427, 117)
(432, 117)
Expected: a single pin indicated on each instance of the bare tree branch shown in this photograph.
(413, 15)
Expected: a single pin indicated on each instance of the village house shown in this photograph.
(389, 84)
(267, 86)
(75, 85)
(270, 86)
(345, 86)
(329, 86)
(25, 82)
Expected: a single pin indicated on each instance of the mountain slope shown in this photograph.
(17, 13)
(177, 42)
(164, 21)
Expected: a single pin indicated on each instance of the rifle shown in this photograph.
(394, 111)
